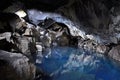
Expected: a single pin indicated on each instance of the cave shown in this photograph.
(60, 39)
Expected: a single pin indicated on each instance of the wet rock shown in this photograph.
(87, 44)
(114, 26)
(46, 23)
(102, 49)
(19, 64)
(114, 53)
(91, 45)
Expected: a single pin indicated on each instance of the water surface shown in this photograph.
(67, 63)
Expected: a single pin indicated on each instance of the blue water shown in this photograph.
(67, 63)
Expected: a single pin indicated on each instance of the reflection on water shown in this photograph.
(66, 63)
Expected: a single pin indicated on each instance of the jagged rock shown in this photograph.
(11, 22)
(19, 65)
(6, 35)
(93, 23)
(25, 46)
(114, 53)
(39, 46)
(55, 34)
(87, 44)
(5, 39)
(102, 49)
(93, 46)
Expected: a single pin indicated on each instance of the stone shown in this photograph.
(114, 53)
(21, 13)
(102, 49)
(6, 35)
(23, 45)
(11, 22)
(20, 64)
(39, 46)
(7, 72)
(87, 44)
(5, 39)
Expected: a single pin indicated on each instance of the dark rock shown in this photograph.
(6, 19)
(114, 53)
(7, 72)
(46, 23)
(87, 44)
(17, 63)
(5, 45)
(5, 39)
(102, 49)
(93, 46)
(11, 22)
(58, 35)
(25, 46)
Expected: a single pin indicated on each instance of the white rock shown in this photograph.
(21, 13)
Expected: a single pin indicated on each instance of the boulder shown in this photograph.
(19, 65)
(102, 49)
(114, 53)
(93, 46)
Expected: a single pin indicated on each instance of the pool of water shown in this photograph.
(67, 63)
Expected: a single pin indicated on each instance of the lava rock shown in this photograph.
(102, 49)
(91, 45)
(11, 22)
(19, 64)
(87, 44)
(25, 46)
(59, 34)
(7, 72)
(114, 53)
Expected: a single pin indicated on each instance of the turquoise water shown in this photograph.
(66, 63)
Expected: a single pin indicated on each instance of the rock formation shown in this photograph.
(93, 25)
